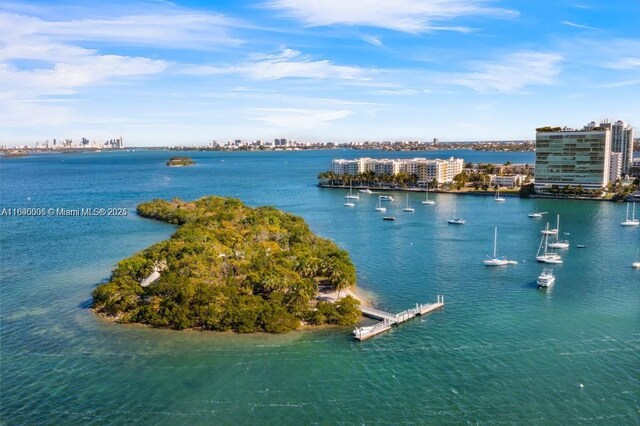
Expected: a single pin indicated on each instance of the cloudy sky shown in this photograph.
(164, 73)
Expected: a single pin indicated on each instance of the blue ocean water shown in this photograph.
(501, 351)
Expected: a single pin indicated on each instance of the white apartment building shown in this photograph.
(615, 169)
(510, 181)
(425, 169)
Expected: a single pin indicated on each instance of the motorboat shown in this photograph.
(389, 218)
(366, 191)
(546, 278)
(386, 198)
(349, 204)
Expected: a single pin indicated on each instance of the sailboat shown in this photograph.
(537, 215)
(456, 220)
(407, 208)
(495, 261)
(426, 200)
(633, 221)
(351, 195)
(636, 264)
(498, 198)
(559, 244)
(379, 207)
(544, 255)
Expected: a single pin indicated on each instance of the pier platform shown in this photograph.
(388, 319)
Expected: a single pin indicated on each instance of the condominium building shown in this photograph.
(425, 169)
(615, 168)
(622, 142)
(573, 157)
(510, 181)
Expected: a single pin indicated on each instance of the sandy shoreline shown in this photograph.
(366, 299)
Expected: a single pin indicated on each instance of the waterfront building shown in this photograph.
(509, 181)
(425, 169)
(622, 142)
(615, 169)
(573, 157)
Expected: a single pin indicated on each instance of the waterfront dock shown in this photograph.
(388, 320)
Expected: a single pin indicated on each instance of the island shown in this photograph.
(230, 267)
(180, 161)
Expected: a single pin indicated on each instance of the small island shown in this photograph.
(230, 267)
(180, 161)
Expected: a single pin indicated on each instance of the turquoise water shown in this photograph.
(501, 351)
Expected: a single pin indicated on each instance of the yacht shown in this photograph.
(633, 221)
(536, 215)
(495, 261)
(379, 207)
(456, 220)
(498, 198)
(407, 208)
(386, 198)
(351, 195)
(427, 200)
(546, 278)
(559, 244)
(389, 218)
(544, 255)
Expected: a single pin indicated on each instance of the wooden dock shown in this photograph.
(388, 319)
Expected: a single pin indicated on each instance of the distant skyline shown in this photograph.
(181, 73)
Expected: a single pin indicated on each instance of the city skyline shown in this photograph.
(165, 73)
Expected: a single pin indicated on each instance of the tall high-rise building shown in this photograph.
(622, 142)
(573, 157)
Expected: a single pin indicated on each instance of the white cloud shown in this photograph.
(513, 74)
(288, 63)
(375, 41)
(412, 16)
(178, 29)
(296, 118)
(574, 25)
(624, 63)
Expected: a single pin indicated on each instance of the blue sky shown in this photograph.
(166, 73)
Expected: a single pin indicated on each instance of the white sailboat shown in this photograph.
(633, 221)
(407, 208)
(498, 198)
(456, 220)
(426, 200)
(379, 207)
(546, 278)
(544, 255)
(636, 264)
(496, 261)
(537, 215)
(351, 195)
(559, 244)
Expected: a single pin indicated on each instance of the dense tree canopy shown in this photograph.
(230, 267)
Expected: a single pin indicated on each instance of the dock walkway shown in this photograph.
(388, 320)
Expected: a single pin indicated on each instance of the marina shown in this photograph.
(491, 313)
